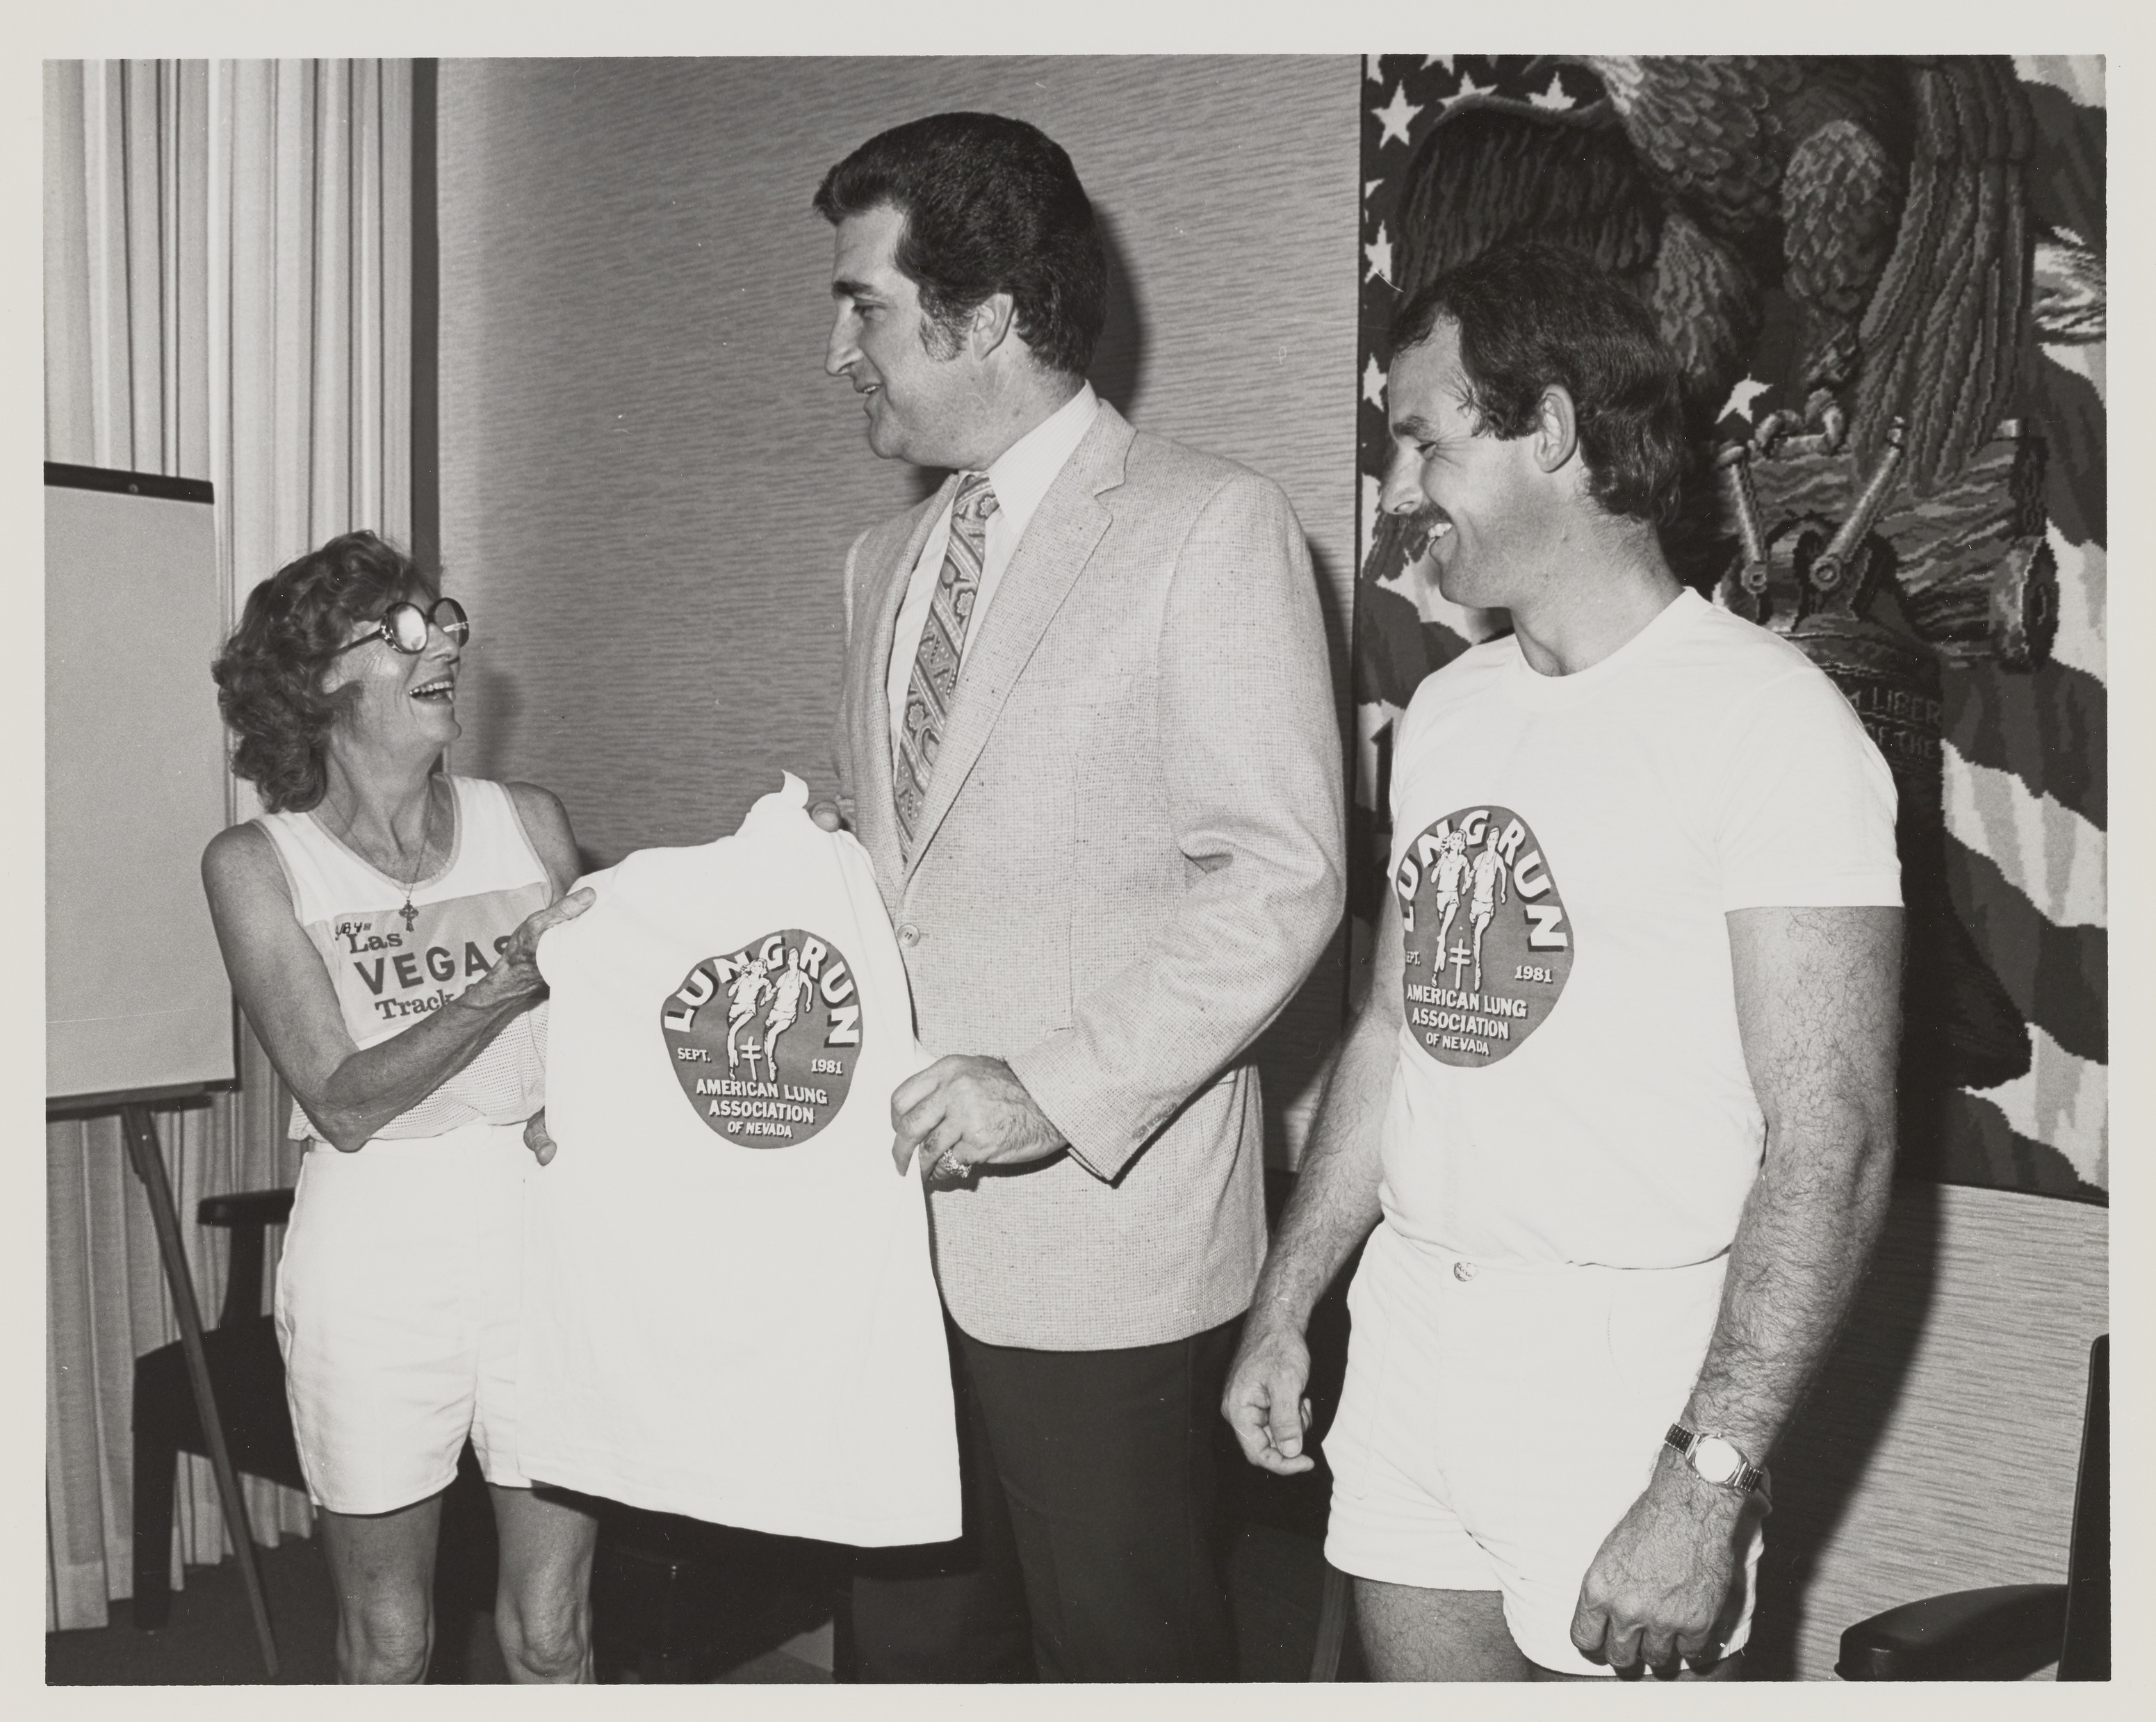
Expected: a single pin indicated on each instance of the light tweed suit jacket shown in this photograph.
(1129, 858)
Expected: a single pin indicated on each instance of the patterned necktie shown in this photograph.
(935, 679)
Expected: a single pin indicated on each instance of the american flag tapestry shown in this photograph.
(1884, 281)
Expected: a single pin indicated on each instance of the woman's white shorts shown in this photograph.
(1497, 1423)
(397, 1311)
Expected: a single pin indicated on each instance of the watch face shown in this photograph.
(1716, 1459)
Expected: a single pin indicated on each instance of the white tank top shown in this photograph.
(729, 1306)
(388, 976)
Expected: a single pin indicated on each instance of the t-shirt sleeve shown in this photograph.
(1805, 811)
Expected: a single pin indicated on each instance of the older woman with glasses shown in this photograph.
(379, 921)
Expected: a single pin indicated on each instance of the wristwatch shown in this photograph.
(1716, 1459)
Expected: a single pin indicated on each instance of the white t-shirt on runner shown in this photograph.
(729, 1309)
(1571, 1087)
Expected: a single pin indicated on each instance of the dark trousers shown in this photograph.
(1090, 1548)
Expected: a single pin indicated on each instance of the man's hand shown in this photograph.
(829, 815)
(964, 1112)
(1264, 1403)
(536, 1140)
(1657, 1591)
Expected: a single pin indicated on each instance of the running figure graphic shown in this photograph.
(748, 989)
(1446, 878)
(789, 988)
(1491, 889)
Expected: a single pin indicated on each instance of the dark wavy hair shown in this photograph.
(992, 205)
(1531, 315)
(269, 674)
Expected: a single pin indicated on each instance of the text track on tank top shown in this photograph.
(764, 1041)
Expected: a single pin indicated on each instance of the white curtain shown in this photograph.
(228, 295)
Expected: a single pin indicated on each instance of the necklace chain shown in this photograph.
(426, 819)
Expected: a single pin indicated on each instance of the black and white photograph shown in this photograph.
(1191, 868)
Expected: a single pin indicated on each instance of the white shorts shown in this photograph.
(397, 1310)
(1497, 1423)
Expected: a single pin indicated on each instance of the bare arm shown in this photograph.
(1818, 1006)
(1334, 1206)
(277, 975)
(547, 824)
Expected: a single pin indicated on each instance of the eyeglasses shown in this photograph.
(406, 626)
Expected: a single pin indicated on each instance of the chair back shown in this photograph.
(2086, 1654)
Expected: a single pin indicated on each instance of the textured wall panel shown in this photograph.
(648, 485)
(1938, 1451)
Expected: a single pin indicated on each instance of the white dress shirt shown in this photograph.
(1021, 477)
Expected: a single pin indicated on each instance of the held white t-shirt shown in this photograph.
(1571, 1086)
(729, 1306)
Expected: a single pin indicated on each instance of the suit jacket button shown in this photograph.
(908, 934)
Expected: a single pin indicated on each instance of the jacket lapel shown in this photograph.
(1058, 541)
(883, 591)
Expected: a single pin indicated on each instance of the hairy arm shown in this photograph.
(1334, 1206)
(277, 975)
(1817, 1007)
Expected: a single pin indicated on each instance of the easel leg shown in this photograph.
(142, 1152)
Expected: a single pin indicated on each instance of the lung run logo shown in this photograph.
(1488, 944)
(764, 1042)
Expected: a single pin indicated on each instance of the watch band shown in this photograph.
(1686, 1442)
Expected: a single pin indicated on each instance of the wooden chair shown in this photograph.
(248, 1378)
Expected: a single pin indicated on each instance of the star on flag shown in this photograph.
(1747, 390)
(1468, 87)
(1395, 115)
(1554, 98)
(1379, 251)
(1374, 382)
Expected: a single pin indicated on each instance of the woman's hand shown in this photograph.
(516, 980)
(536, 1140)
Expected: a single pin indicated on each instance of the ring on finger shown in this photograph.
(950, 1165)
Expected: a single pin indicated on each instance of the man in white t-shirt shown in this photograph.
(1625, 1140)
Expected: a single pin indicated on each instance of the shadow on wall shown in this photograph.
(1819, 1462)
(1118, 367)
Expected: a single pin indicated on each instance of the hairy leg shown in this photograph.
(1411, 1633)
(382, 1567)
(543, 1610)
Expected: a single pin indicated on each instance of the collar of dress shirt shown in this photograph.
(1022, 473)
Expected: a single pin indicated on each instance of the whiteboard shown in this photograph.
(135, 994)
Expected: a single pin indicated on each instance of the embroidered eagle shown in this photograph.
(1883, 196)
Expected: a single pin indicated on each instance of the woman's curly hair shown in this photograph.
(268, 676)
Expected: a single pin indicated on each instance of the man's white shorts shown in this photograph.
(397, 1310)
(1498, 1421)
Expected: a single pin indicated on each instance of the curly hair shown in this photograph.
(1532, 315)
(268, 676)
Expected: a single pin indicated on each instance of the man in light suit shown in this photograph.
(1088, 739)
